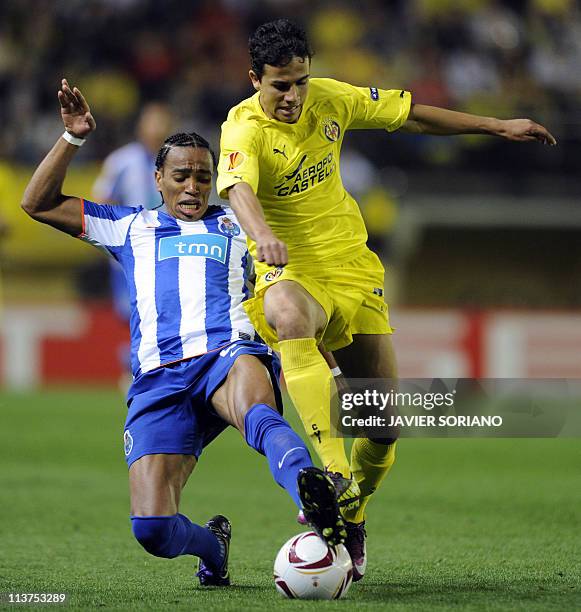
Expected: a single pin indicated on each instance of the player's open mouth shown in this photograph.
(189, 207)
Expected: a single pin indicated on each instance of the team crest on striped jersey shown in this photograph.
(331, 129)
(228, 227)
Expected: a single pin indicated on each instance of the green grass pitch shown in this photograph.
(459, 524)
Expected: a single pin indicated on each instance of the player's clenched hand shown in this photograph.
(524, 130)
(75, 111)
(271, 250)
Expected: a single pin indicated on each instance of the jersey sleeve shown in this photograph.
(106, 226)
(373, 108)
(239, 147)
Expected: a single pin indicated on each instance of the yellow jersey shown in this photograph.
(293, 168)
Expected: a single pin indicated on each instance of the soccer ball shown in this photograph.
(306, 568)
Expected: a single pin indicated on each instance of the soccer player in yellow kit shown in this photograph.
(317, 282)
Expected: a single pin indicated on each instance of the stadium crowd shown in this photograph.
(507, 58)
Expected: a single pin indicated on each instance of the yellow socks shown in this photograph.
(370, 463)
(309, 382)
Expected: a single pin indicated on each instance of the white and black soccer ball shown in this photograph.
(306, 568)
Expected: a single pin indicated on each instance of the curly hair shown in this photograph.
(182, 139)
(276, 43)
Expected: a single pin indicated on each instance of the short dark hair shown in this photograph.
(276, 43)
(182, 139)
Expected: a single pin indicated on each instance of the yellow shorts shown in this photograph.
(351, 295)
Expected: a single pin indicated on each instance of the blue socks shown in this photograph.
(172, 536)
(268, 433)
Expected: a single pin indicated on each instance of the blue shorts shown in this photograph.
(170, 410)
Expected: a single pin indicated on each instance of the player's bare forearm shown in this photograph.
(248, 209)
(440, 121)
(424, 119)
(43, 193)
(43, 199)
(251, 217)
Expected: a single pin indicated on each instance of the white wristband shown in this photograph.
(78, 142)
(336, 371)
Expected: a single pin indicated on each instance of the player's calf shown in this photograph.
(267, 432)
(172, 536)
(155, 534)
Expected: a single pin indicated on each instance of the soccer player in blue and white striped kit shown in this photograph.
(196, 364)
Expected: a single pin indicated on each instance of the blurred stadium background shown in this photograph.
(481, 237)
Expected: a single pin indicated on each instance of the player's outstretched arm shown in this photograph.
(440, 121)
(43, 199)
(251, 216)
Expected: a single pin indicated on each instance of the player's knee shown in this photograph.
(291, 322)
(155, 534)
(290, 315)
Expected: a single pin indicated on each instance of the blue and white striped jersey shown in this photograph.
(187, 280)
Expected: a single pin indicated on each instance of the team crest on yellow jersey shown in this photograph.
(235, 160)
(331, 129)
